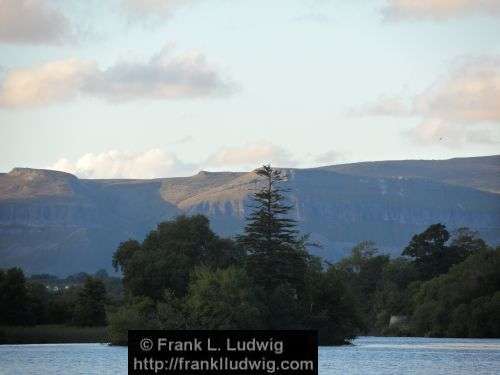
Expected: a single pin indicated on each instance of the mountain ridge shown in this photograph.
(52, 221)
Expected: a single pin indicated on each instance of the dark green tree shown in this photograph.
(276, 254)
(333, 310)
(14, 298)
(463, 302)
(166, 257)
(222, 299)
(61, 306)
(171, 312)
(90, 304)
(138, 313)
(429, 251)
(363, 271)
(393, 294)
(435, 251)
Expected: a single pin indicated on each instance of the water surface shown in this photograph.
(403, 355)
(368, 355)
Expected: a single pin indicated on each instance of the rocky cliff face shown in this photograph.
(54, 222)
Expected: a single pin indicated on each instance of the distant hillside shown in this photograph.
(54, 222)
(482, 173)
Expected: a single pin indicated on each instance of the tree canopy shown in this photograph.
(168, 254)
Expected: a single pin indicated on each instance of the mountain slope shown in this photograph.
(54, 222)
(482, 172)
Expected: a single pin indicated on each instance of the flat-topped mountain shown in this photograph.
(26, 183)
(53, 222)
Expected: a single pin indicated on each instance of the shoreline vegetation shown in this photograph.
(184, 276)
(52, 334)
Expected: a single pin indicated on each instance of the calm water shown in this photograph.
(369, 355)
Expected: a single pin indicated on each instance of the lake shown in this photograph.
(368, 355)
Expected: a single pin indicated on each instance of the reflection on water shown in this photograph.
(369, 355)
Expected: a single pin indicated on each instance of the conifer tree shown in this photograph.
(276, 251)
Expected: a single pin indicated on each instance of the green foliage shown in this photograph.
(284, 308)
(393, 296)
(38, 299)
(462, 303)
(222, 299)
(443, 287)
(333, 309)
(434, 257)
(202, 281)
(48, 300)
(166, 257)
(90, 304)
(145, 313)
(61, 305)
(138, 314)
(18, 305)
(429, 251)
(171, 312)
(362, 271)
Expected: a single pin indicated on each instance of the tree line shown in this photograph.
(443, 285)
(79, 300)
(184, 276)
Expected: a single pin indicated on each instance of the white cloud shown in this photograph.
(463, 107)
(163, 77)
(157, 163)
(120, 164)
(396, 10)
(250, 156)
(470, 94)
(32, 22)
(52, 82)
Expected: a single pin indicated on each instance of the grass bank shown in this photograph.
(52, 334)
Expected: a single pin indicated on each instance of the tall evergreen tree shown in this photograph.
(276, 251)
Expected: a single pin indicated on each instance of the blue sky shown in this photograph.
(154, 88)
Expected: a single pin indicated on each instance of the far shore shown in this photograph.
(64, 334)
(52, 334)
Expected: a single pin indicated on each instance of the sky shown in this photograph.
(161, 88)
